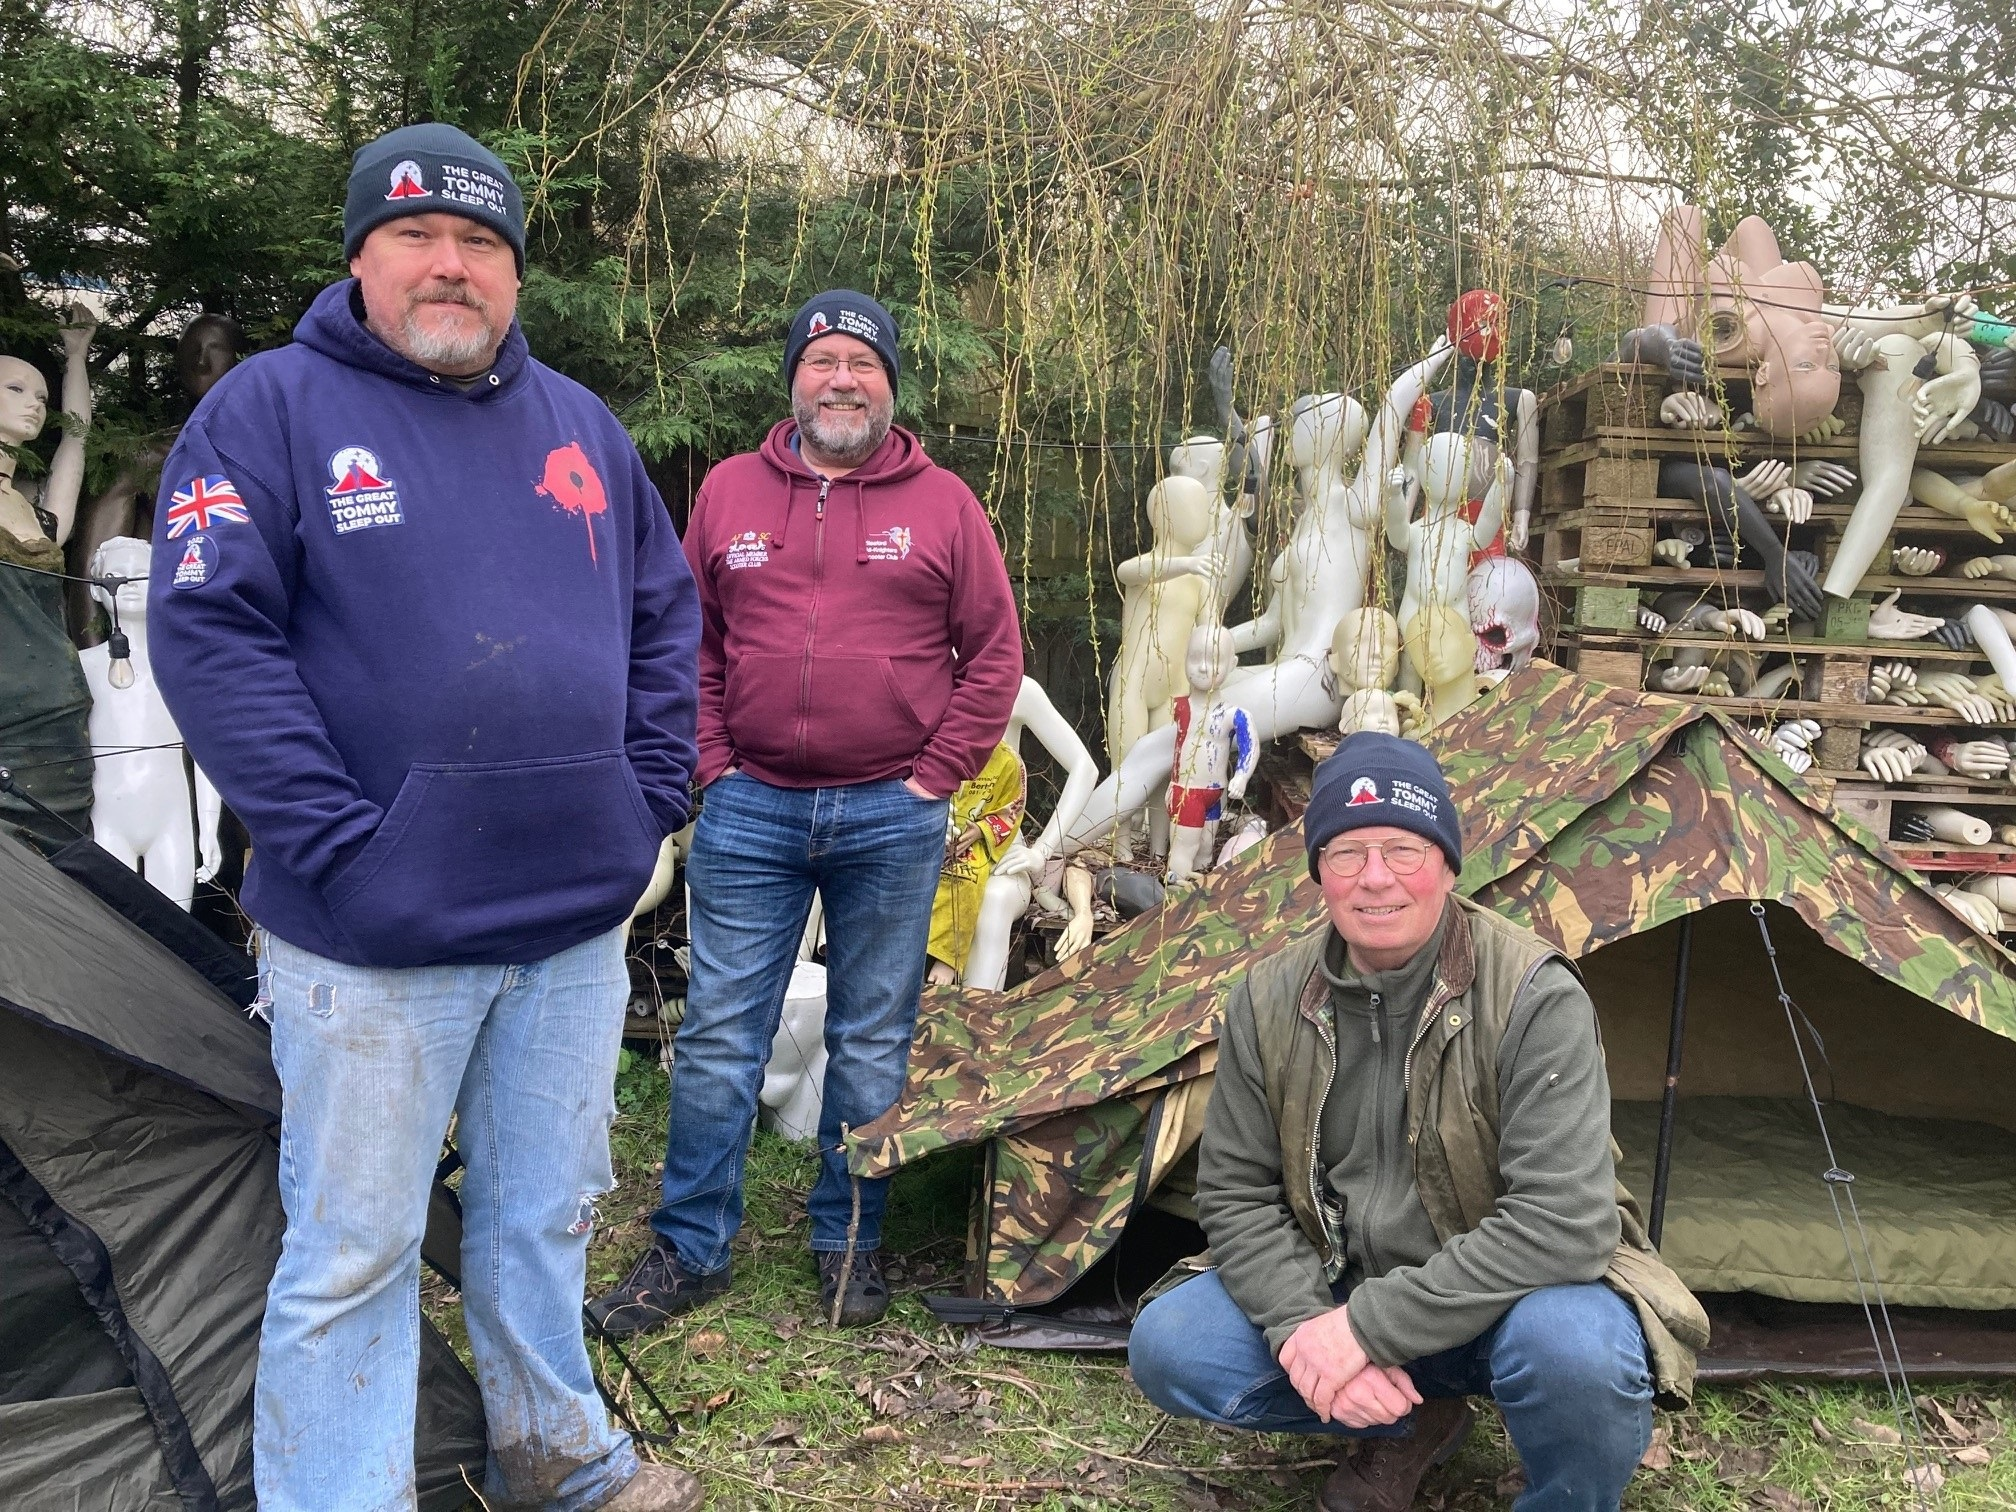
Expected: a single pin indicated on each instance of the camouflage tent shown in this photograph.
(1591, 814)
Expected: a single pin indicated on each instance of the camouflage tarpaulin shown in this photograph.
(1590, 813)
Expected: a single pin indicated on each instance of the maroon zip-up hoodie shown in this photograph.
(852, 629)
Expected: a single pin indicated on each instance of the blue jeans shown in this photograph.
(873, 852)
(1566, 1366)
(372, 1061)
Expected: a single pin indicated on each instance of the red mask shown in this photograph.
(1477, 324)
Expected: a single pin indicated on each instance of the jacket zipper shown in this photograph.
(1316, 1138)
(812, 621)
(1373, 1262)
(1436, 999)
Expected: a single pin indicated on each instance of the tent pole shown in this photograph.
(1676, 1035)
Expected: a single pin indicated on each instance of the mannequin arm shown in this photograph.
(1525, 467)
(1382, 447)
(1246, 754)
(209, 810)
(66, 469)
(1152, 567)
(1400, 491)
(1662, 345)
(1925, 317)
(1491, 510)
(1258, 634)
(1081, 774)
(1078, 933)
(1942, 406)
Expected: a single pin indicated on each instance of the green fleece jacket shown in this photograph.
(1410, 1295)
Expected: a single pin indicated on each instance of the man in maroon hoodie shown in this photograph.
(859, 656)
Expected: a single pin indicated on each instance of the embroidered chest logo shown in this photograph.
(749, 549)
(362, 497)
(572, 483)
(891, 545)
(1363, 790)
(204, 502)
(406, 182)
(199, 561)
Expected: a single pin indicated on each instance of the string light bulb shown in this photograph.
(1563, 352)
(120, 672)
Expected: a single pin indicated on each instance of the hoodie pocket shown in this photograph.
(760, 706)
(861, 724)
(482, 860)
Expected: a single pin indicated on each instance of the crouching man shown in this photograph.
(1406, 1178)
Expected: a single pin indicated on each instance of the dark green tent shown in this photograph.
(139, 1224)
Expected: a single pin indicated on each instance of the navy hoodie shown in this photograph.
(435, 646)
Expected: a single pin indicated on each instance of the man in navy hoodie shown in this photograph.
(423, 618)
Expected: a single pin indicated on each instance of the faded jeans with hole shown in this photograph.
(1566, 1366)
(372, 1061)
(873, 852)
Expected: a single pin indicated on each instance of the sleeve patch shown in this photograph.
(203, 502)
(197, 563)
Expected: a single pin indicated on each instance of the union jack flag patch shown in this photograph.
(207, 501)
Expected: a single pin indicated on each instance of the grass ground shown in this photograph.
(777, 1411)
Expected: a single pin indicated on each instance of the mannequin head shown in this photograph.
(1325, 429)
(1477, 325)
(1179, 511)
(1209, 660)
(1369, 709)
(1442, 650)
(1202, 458)
(123, 557)
(1445, 469)
(24, 401)
(1365, 651)
(208, 348)
(1766, 311)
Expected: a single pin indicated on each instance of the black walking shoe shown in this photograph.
(867, 1296)
(656, 1291)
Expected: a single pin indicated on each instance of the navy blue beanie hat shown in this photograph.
(431, 169)
(1377, 779)
(842, 312)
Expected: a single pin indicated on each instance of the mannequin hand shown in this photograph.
(1076, 936)
(1672, 551)
(1023, 861)
(1952, 691)
(1996, 419)
(1886, 739)
(1796, 734)
(213, 861)
(1990, 688)
(1988, 517)
(1905, 696)
(1686, 361)
(1776, 615)
(1886, 676)
(1796, 504)
(1989, 566)
(1954, 635)
(1944, 402)
(1916, 561)
(1716, 685)
(1735, 622)
(1888, 622)
(1978, 911)
(1687, 410)
(1669, 677)
(1959, 307)
(1853, 348)
(78, 325)
(1887, 765)
(1650, 623)
(1983, 760)
(1764, 479)
(1823, 478)
(1412, 715)
(1517, 533)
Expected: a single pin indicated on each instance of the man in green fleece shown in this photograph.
(1406, 1178)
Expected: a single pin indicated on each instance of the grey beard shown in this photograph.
(853, 452)
(445, 351)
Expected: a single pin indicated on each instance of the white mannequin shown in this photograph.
(139, 795)
(1365, 659)
(1976, 907)
(673, 850)
(1324, 432)
(1321, 576)
(1163, 594)
(1504, 600)
(1229, 546)
(1439, 544)
(1216, 733)
(794, 1081)
(1014, 880)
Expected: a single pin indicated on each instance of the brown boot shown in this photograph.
(1383, 1475)
(658, 1488)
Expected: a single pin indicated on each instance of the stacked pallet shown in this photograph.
(1599, 515)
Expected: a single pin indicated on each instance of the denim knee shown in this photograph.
(1573, 1342)
(1157, 1350)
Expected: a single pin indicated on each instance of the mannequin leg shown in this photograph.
(1187, 843)
(1005, 901)
(1993, 639)
(1674, 288)
(170, 864)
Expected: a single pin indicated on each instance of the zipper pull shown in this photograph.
(1375, 1018)
(819, 511)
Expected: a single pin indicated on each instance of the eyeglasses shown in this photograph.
(1403, 858)
(825, 367)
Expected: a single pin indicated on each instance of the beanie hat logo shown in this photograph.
(407, 182)
(819, 325)
(1363, 790)
(854, 323)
